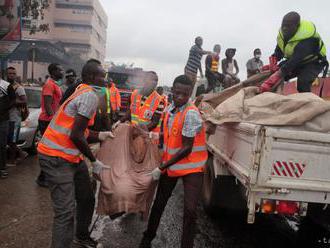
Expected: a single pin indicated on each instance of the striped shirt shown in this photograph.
(194, 60)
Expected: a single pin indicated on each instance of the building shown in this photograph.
(79, 26)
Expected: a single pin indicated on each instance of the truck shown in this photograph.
(266, 170)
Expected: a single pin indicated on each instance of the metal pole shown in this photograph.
(33, 59)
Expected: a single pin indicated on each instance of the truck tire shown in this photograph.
(210, 185)
(221, 193)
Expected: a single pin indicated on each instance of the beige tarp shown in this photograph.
(127, 186)
(268, 108)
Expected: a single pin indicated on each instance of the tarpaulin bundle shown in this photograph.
(127, 186)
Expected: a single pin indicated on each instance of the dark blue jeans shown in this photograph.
(3, 143)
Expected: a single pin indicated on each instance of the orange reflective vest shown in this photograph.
(113, 99)
(215, 63)
(56, 140)
(195, 161)
(142, 114)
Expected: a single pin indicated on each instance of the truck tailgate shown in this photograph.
(295, 160)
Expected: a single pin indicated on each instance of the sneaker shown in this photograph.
(11, 163)
(3, 174)
(84, 243)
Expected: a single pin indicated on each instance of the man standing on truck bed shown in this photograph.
(301, 45)
(194, 61)
(184, 157)
(214, 78)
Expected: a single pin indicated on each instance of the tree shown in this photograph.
(34, 9)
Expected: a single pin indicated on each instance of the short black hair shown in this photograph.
(10, 68)
(89, 69)
(159, 88)
(257, 50)
(52, 67)
(94, 61)
(183, 79)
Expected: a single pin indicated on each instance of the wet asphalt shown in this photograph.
(26, 217)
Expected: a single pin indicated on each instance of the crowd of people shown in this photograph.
(86, 110)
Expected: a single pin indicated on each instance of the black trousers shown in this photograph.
(42, 126)
(213, 80)
(306, 74)
(192, 188)
(3, 144)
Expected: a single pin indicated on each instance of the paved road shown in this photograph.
(25, 221)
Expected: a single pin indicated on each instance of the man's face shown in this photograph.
(160, 91)
(181, 94)
(289, 28)
(217, 50)
(149, 85)
(58, 73)
(70, 80)
(99, 77)
(11, 75)
(199, 41)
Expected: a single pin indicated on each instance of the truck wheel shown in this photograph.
(210, 185)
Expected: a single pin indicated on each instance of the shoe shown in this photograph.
(11, 163)
(84, 243)
(3, 174)
(42, 183)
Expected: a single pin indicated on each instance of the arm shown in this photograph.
(78, 138)
(187, 145)
(278, 53)
(154, 121)
(48, 103)
(301, 51)
(224, 66)
(208, 63)
(236, 67)
(200, 70)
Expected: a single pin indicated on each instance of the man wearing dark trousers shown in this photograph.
(60, 155)
(185, 155)
(50, 102)
(302, 47)
(7, 98)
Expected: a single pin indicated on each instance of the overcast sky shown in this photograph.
(157, 34)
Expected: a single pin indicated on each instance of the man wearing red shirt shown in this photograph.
(50, 102)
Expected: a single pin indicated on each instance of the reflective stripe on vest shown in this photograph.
(56, 140)
(305, 31)
(195, 161)
(108, 100)
(214, 64)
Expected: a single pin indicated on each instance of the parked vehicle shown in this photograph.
(267, 170)
(29, 135)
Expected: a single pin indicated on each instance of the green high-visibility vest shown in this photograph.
(305, 31)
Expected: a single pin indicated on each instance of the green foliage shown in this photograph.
(34, 9)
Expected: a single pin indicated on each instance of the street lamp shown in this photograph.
(33, 59)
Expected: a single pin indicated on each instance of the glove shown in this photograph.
(155, 174)
(270, 82)
(154, 135)
(273, 64)
(104, 135)
(98, 166)
(265, 68)
(115, 125)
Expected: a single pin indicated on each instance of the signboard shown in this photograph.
(10, 26)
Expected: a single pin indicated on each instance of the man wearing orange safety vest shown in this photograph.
(146, 105)
(113, 100)
(214, 78)
(61, 151)
(184, 157)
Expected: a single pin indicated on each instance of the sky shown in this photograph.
(157, 34)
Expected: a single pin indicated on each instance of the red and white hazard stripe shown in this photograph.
(288, 169)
